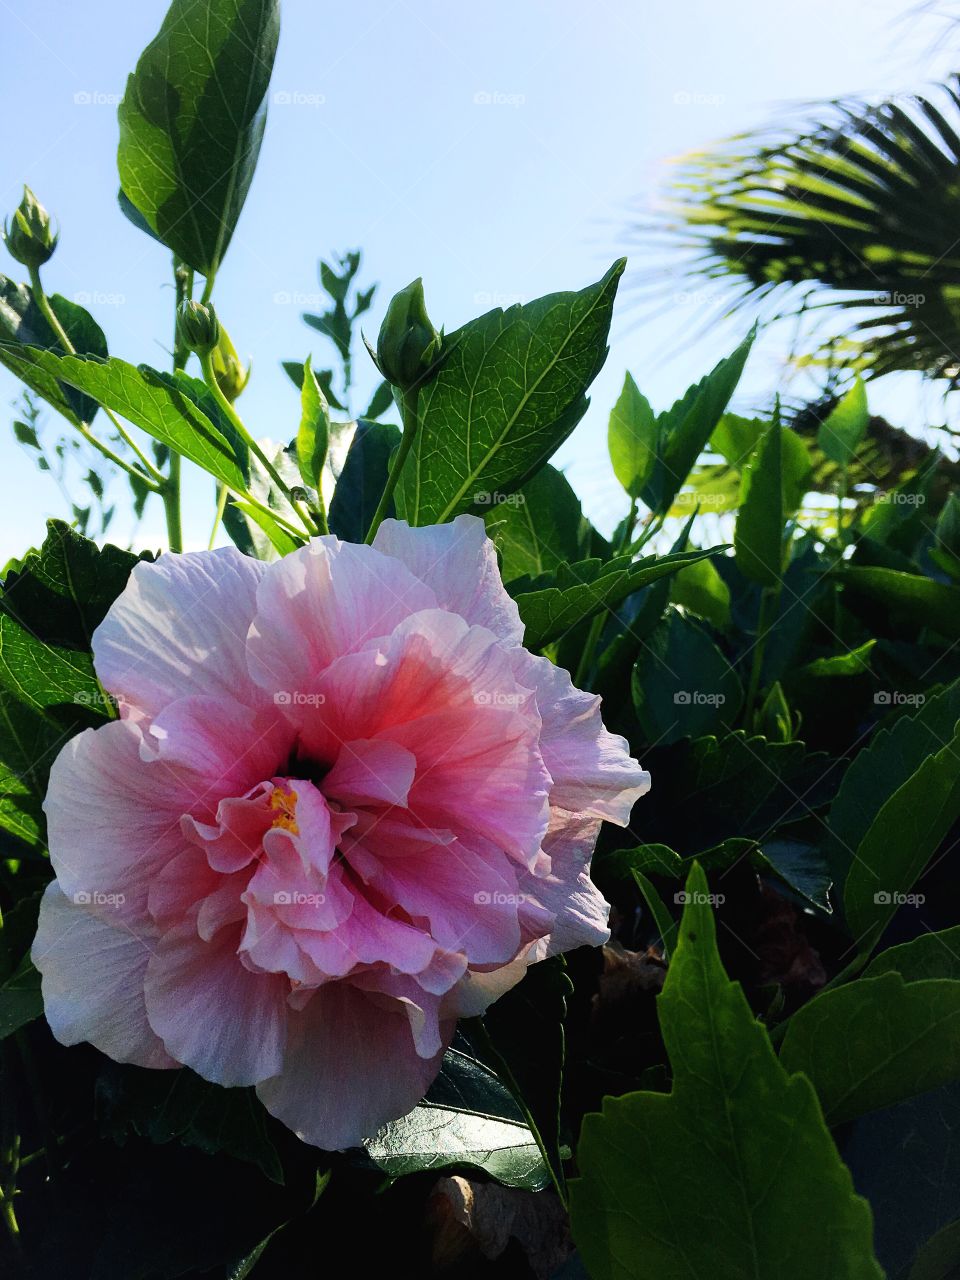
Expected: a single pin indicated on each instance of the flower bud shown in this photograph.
(29, 234)
(197, 326)
(408, 344)
(228, 368)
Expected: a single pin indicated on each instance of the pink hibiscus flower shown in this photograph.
(341, 808)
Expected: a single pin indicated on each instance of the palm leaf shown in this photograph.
(852, 219)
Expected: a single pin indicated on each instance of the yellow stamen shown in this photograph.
(284, 800)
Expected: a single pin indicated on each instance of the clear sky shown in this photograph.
(379, 137)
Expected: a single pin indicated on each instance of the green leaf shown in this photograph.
(468, 1119)
(62, 592)
(917, 600)
(682, 684)
(508, 393)
(363, 479)
(932, 955)
(20, 998)
(840, 433)
(177, 410)
(666, 926)
(856, 662)
(875, 1041)
(525, 1028)
(281, 541)
(313, 436)
(164, 1106)
(539, 527)
(632, 438)
(901, 840)
(584, 588)
(940, 1256)
(700, 589)
(758, 540)
(44, 675)
(192, 119)
(737, 1140)
(893, 754)
(683, 430)
(23, 325)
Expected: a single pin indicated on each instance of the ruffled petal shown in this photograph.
(351, 1065)
(179, 627)
(92, 982)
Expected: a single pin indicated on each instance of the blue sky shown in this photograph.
(498, 150)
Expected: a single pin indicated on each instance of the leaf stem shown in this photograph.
(210, 378)
(221, 507)
(48, 313)
(769, 605)
(409, 401)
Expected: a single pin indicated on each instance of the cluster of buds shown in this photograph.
(408, 346)
(29, 234)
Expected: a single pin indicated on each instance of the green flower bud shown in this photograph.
(408, 344)
(228, 368)
(29, 234)
(197, 326)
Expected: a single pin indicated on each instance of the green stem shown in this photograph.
(210, 378)
(171, 504)
(769, 605)
(409, 417)
(596, 627)
(221, 507)
(48, 313)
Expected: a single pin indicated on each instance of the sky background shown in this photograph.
(500, 151)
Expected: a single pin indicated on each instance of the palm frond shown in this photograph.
(854, 218)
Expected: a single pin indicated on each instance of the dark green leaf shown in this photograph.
(584, 588)
(875, 1041)
(632, 438)
(920, 601)
(363, 479)
(759, 533)
(539, 527)
(192, 119)
(841, 432)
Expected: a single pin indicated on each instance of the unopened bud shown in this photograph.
(408, 344)
(228, 368)
(29, 234)
(198, 327)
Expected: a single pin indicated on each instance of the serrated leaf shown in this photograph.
(192, 119)
(23, 325)
(737, 1142)
(508, 393)
(539, 527)
(876, 1041)
(588, 586)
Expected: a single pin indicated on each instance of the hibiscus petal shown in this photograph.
(369, 772)
(92, 982)
(325, 600)
(350, 1066)
(179, 627)
(459, 563)
(593, 772)
(211, 1012)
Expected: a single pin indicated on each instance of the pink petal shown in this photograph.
(459, 564)
(323, 601)
(371, 772)
(92, 981)
(211, 1012)
(113, 821)
(350, 1066)
(179, 627)
(593, 772)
